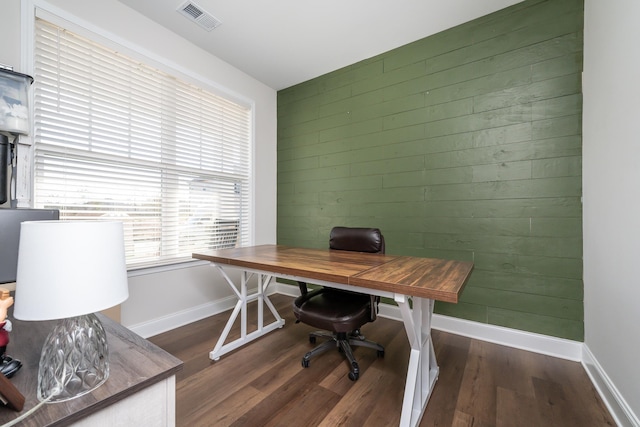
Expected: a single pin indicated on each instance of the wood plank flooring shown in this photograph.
(263, 384)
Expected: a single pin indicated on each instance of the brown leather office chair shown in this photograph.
(340, 313)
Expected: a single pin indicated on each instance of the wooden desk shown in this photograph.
(413, 283)
(140, 389)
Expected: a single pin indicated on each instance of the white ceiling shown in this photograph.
(285, 42)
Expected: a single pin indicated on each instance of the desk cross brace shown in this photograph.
(244, 298)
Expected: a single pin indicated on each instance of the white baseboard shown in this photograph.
(543, 344)
(617, 405)
(284, 289)
(538, 343)
(181, 318)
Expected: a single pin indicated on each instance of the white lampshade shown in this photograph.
(69, 268)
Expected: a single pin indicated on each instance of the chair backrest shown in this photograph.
(357, 239)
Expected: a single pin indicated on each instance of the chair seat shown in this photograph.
(328, 309)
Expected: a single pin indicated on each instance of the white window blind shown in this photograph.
(117, 139)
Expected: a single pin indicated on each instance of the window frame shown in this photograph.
(41, 9)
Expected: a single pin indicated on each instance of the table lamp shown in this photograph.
(68, 270)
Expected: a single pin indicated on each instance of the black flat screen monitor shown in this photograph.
(10, 220)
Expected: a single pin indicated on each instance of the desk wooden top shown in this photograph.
(432, 278)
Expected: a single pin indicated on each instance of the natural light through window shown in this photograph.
(118, 139)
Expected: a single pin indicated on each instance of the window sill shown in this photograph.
(143, 271)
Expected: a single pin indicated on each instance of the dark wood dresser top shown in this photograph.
(134, 364)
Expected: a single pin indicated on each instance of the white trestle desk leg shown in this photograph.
(422, 372)
(243, 311)
(261, 300)
(241, 308)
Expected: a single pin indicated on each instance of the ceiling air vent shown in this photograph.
(195, 13)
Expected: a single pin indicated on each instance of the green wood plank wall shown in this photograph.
(463, 145)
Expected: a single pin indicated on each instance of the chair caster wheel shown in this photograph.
(305, 363)
(380, 353)
(312, 339)
(354, 374)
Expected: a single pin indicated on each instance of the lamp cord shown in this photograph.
(29, 412)
(56, 391)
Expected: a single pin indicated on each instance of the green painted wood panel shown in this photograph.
(467, 145)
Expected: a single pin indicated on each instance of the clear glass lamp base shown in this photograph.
(74, 360)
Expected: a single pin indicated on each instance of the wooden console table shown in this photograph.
(140, 390)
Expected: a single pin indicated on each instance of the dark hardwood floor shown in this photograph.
(264, 384)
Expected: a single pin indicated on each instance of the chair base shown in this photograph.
(343, 342)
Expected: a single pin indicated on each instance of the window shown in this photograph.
(117, 139)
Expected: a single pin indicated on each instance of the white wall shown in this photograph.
(611, 177)
(10, 42)
(166, 297)
(10, 34)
